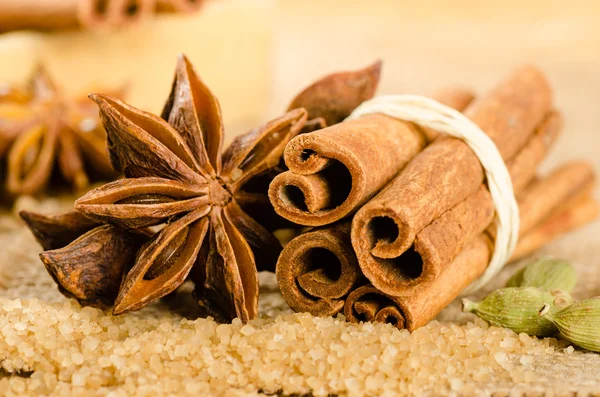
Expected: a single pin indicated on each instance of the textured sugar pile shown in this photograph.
(49, 344)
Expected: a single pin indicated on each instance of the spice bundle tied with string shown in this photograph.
(405, 221)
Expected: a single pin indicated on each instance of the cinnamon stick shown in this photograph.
(442, 240)
(550, 193)
(416, 310)
(328, 100)
(546, 197)
(317, 269)
(334, 170)
(442, 176)
(70, 14)
(577, 214)
(563, 187)
(367, 302)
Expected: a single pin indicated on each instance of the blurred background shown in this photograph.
(256, 54)
(431, 43)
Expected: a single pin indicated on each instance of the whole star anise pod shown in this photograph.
(44, 132)
(178, 177)
(183, 199)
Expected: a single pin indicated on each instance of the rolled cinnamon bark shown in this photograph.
(302, 282)
(442, 176)
(523, 167)
(547, 195)
(442, 240)
(367, 302)
(541, 200)
(571, 217)
(316, 270)
(566, 192)
(334, 170)
(69, 14)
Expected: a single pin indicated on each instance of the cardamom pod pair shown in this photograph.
(537, 301)
(518, 308)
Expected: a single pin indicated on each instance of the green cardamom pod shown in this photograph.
(578, 323)
(546, 273)
(518, 309)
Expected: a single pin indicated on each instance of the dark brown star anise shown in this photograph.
(178, 177)
(97, 254)
(183, 207)
(331, 99)
(39, 126)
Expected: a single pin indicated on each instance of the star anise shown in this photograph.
(40, 129)
(194, 198)
(331, 99)
(178, 177)
(98, 254)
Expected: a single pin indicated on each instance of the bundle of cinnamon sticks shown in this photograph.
(403, 218)
(93, 14)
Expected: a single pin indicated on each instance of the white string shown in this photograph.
(429, 113)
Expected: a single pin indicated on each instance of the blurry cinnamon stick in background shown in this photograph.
(178, 5)
(92, 14)
(566, 203)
